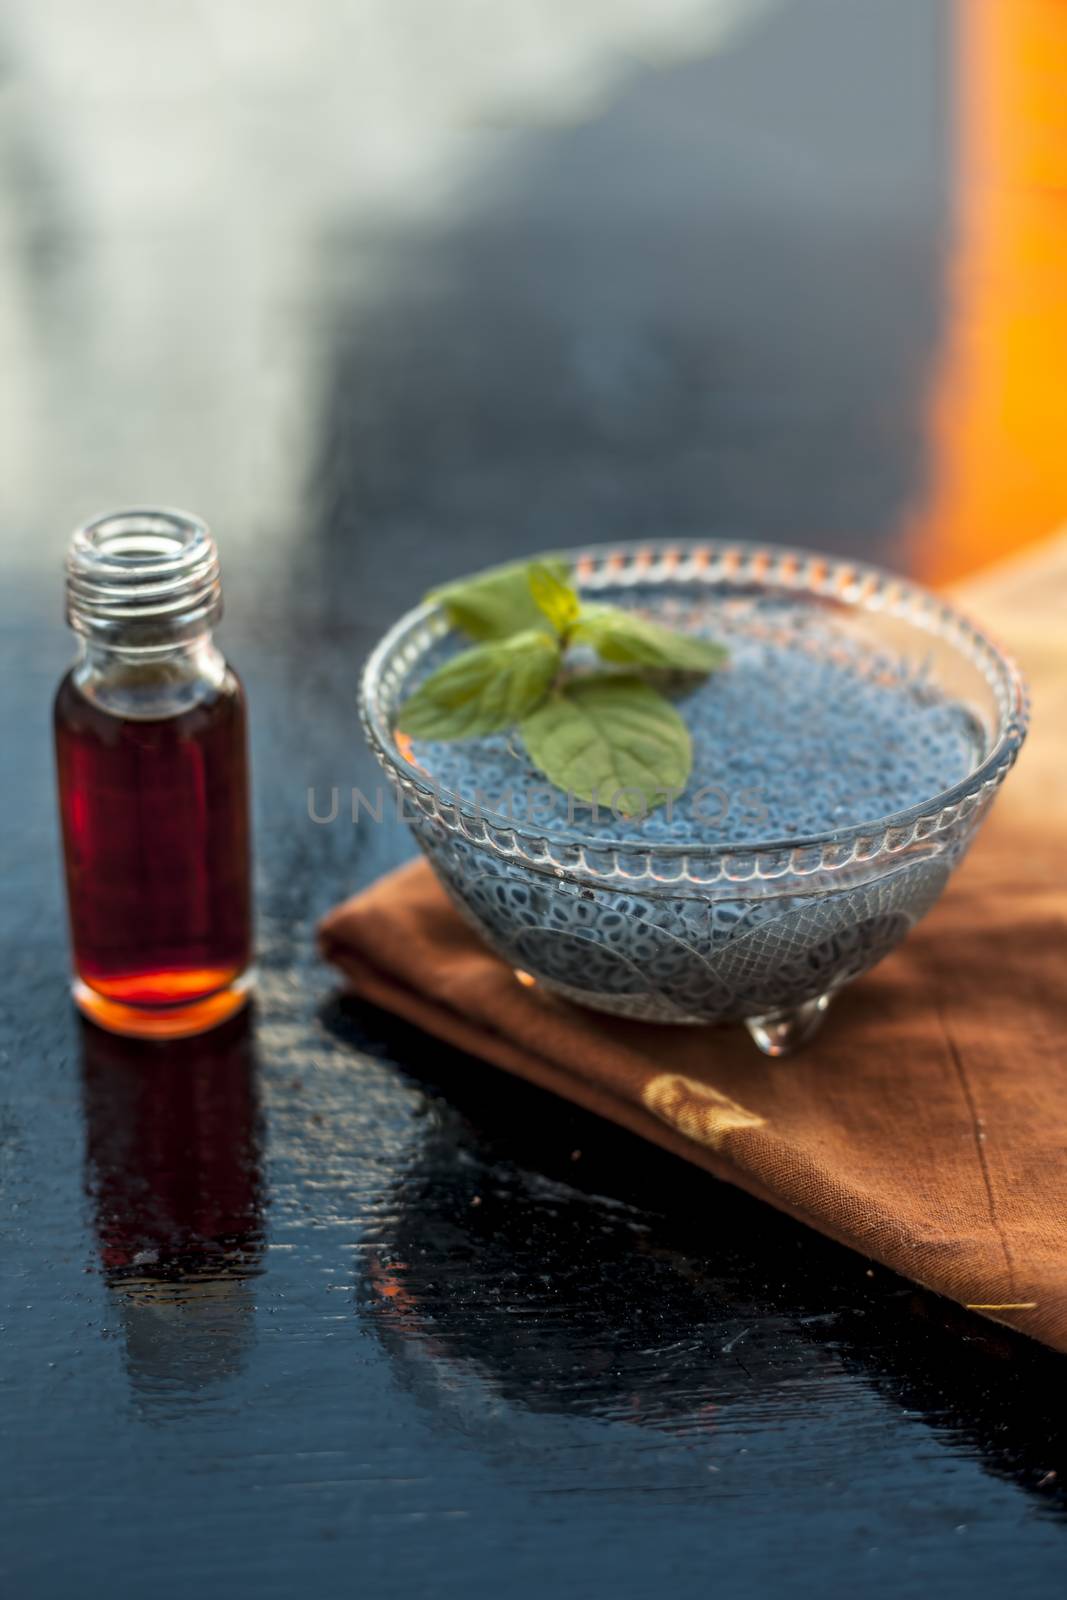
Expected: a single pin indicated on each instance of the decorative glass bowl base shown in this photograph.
(772, 962)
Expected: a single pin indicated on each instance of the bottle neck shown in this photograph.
(146, 685)
(143, 594)
(143, 580)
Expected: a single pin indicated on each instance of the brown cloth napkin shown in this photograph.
(926, 1126)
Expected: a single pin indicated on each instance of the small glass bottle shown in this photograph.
(152, 764)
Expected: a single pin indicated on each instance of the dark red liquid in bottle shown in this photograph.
(156, 838)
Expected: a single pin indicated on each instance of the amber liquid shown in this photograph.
(156, 841)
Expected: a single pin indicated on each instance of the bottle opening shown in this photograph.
(143, 579)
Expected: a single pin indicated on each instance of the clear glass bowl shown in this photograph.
(684, 931)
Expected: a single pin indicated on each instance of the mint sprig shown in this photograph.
(553, 596)
(604, 737)
(497, 603)
(484, 690)
(612, 739)
(624, 637)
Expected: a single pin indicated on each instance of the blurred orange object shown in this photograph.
(998, 475)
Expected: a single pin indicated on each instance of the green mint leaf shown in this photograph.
(552, 595)
(483, 690)
(497, 603)
(611, 738)
(625, 637)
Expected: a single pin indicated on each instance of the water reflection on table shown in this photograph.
(173, 1167)
(507, 1275)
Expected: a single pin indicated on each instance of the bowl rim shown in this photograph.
(709, 563)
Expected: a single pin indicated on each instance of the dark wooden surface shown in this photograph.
(315, 1306)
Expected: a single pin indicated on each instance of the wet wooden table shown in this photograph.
(314, 1305)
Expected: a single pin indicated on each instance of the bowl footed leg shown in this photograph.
(779, 1033)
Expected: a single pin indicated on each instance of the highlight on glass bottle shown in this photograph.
(152, 764)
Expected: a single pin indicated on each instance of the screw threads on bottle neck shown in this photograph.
(143, 579)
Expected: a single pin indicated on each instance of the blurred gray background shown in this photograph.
(388, 286)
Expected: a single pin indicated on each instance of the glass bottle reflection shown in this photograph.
(173, 1159)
